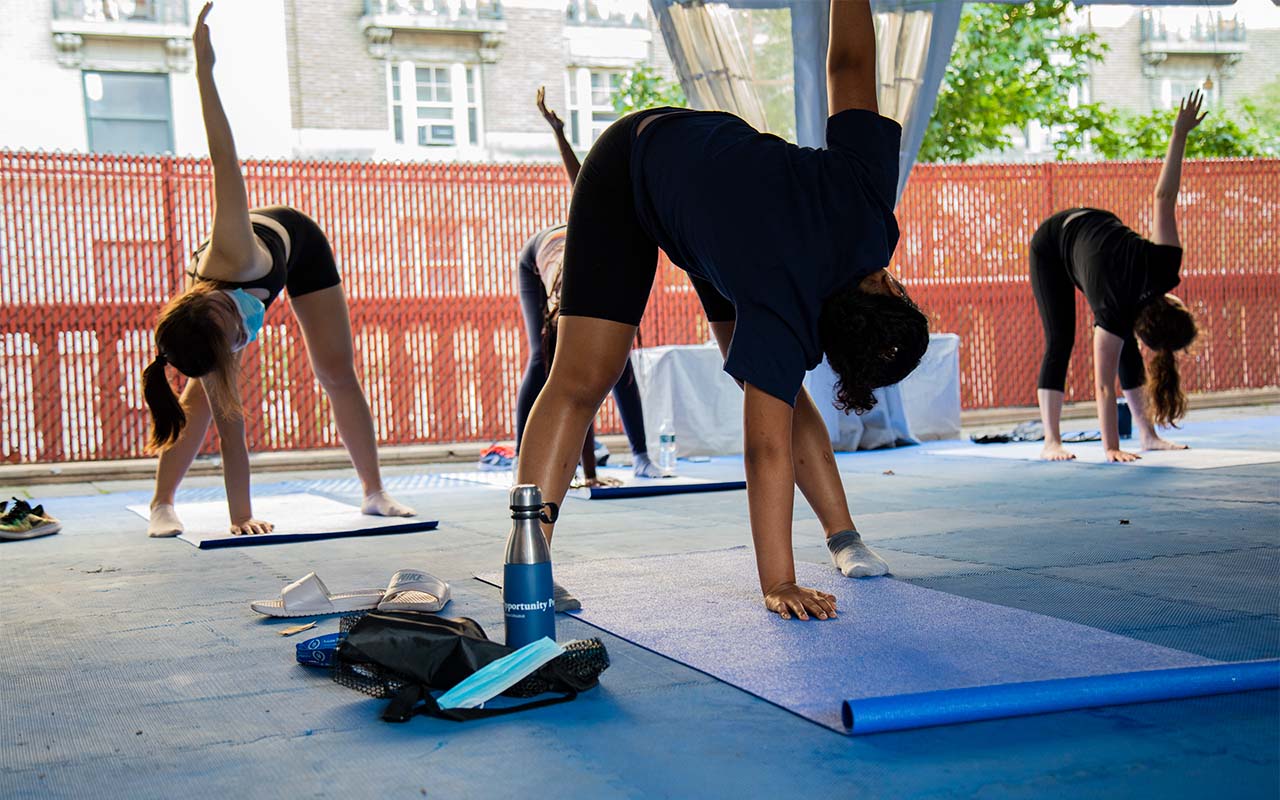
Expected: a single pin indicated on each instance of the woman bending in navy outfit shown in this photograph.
(787, 248)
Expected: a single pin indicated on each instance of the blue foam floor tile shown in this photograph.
(1243, 638)
(1246, 581)
(1111, 609)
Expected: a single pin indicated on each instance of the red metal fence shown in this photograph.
(90, 246)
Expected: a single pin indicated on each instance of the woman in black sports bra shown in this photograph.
(250, 257)
(1126, 280)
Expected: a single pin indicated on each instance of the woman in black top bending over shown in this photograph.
(251, 256)
(1126, 280)
(786, 247)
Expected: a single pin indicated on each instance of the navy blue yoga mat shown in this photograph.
(656, 487)
(893, 654)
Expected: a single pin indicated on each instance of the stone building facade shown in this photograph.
(350, 79)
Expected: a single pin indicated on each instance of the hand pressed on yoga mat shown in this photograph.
(802, 601)
(603, 481)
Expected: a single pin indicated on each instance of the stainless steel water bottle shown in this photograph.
(528, 598)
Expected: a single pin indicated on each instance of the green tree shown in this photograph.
(1127, 135)
(643, 88)
(1262, 111)
(1012, 64)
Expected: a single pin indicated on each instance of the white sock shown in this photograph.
(381, 504)
(164, 522)
(644, 468)
(853, 558)
(564, 600)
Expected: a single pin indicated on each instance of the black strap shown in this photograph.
(414, 699)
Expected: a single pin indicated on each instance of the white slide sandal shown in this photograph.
(415, 590)
(309, 597)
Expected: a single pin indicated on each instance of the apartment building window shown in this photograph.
(1173, 90)
(435, 105)
(128, 112)
(591, 93)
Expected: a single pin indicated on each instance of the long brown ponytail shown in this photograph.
(167, 417)
(1165, 327)
(1164, 388)
(191, 337)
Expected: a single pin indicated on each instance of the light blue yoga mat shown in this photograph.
(898, 656)
(297, 518)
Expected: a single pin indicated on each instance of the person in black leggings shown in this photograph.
(252, 256)
(789, 247)
(539, 272)
(1126, 280)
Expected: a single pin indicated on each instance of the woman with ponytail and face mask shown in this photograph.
(1126, 280)
(251, 256)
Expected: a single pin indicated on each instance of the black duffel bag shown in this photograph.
(406, 655)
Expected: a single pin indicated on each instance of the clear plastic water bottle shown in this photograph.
(528, 595)
(667, 447)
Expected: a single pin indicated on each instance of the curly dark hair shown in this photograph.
(1165, 327)
(871, 340)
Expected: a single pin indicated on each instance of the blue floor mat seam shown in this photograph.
(1245, 615)
(1081, 564)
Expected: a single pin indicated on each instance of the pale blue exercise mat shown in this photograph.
(898, 656)
(296, 517)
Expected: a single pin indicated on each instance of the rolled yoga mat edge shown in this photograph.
(973, 704)
(658, 488)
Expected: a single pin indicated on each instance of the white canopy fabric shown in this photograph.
(732, 55)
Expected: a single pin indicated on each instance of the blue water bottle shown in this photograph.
(528, 599)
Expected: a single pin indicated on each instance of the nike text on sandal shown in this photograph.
(414, 590)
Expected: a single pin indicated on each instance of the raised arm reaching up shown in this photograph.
(233, 253)
(1164, 227)
(851, 57)
(570, 158)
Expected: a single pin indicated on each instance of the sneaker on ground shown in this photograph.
(497, 457)
(24, 522)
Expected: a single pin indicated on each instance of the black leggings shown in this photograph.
(533, 304)
(1056, 298)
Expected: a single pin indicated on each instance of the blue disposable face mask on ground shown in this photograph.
(252, 311)
(496, 677)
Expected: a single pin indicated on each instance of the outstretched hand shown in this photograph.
(201, 41)
(550, 116)
(602, 481)
(1189, 115)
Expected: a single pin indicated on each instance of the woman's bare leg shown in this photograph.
(1147, 433)
(326, 329)
(1051, 418)
(590, 355)
(176, 460)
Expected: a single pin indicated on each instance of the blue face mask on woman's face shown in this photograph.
(252, 310)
